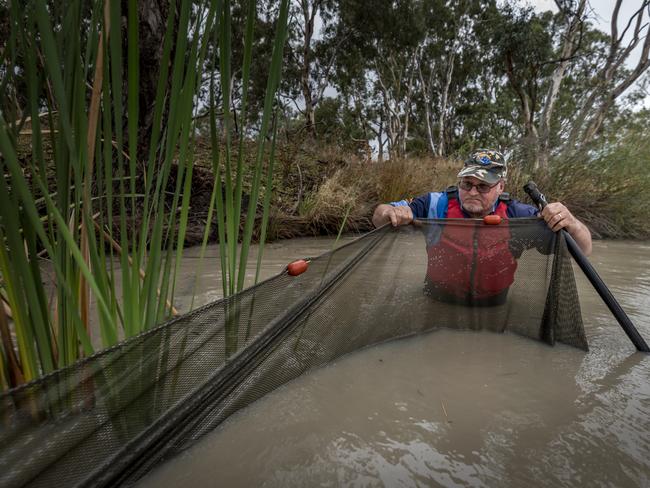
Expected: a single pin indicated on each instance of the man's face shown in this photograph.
(475, 203)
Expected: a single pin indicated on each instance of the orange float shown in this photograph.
(297, 267)
(492, 219)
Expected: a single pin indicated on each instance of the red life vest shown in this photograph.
(471, 261)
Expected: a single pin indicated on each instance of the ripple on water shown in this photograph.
(454, 409)
(554, 422)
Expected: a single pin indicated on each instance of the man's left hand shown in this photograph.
(557, 216)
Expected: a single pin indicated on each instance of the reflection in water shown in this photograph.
(455, 409)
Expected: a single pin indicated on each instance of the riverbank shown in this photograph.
(315, 186)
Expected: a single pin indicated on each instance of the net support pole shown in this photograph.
(624, 321)
(605, 294)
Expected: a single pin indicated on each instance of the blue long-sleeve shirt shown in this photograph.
(434, 206)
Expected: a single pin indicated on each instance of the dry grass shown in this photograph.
(344, 193)
(407, 178)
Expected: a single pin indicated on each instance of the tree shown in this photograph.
(312, 57)
(379, 55)
(565, 74)
(447, 67)
(613, 79)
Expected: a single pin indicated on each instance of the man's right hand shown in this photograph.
(400, 215)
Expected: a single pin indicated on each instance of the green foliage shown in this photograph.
(444, 77)
(608, 184)
(109, 177)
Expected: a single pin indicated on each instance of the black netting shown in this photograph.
(109, 419)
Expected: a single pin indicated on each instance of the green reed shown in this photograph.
(70, 205)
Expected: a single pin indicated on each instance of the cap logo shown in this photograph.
(485, 160)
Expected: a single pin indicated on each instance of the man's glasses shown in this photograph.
(481, 187)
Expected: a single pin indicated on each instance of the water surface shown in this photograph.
(452, 408)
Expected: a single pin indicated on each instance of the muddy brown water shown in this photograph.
(449, 408)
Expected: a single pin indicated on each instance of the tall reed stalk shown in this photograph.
(83, 200)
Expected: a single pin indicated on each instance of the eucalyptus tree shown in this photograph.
(566, 75)
(612, 78)
(450, 70)
(311, 54)
(380, 50)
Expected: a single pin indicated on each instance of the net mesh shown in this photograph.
(109, 419)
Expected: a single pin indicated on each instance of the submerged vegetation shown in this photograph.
(132, 128)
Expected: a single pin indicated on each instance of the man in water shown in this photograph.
(476, 267)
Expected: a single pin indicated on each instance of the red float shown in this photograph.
(297, 267)
(492, 219)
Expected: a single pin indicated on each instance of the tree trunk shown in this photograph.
(426, 95)
(444, 101)
(391, 123)
(305, 70)
(569, 48)
(153, 17)
(152, 24)
(380, 139)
